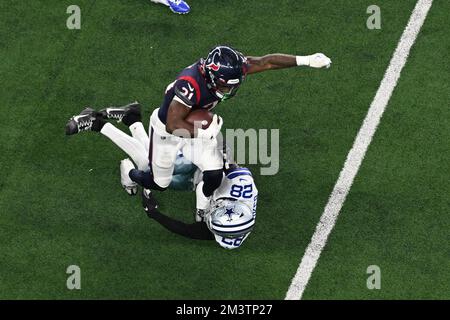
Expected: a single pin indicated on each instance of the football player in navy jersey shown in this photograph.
(201, 85)
(231, 213)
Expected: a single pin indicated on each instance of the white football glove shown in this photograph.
(213, 130)
(319, 60)
(316, 60)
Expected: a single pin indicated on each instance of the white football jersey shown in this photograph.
(237, 184)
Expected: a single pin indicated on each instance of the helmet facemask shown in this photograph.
(224, 95)
(218, 84)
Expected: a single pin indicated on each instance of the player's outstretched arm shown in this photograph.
(281, 61)
(197, 230)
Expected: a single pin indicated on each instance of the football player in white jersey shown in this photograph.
(230, 213)
(230, 216)
(200, 86)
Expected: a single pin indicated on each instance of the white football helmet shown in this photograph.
(230, 219)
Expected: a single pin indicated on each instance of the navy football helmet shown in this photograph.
(224, 69)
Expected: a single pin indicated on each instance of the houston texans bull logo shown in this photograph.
(211, 62)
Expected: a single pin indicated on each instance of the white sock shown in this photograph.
(128, 144)
(138, 132)
(203, 202)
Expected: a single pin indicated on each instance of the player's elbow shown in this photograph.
(176, 127)
(170, 128)
(269, 66)
(171, 125)
(266, 62)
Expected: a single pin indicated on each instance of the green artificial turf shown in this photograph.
(397, 213)
(61, 202)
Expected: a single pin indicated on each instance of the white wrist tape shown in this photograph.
(302, 60)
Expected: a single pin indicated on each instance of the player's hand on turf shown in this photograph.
(213, 130)
(319, 60)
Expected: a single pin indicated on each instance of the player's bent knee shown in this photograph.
(212, 180)
(162, 182)
(142, 163)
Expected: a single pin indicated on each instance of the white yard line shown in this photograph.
(358, 151)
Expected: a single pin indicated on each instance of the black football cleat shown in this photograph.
(87, 120)
(128, 114)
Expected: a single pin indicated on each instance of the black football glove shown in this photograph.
(148, 202)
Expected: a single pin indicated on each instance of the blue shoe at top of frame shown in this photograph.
(179, 6)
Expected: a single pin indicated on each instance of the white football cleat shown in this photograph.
(176, 6)
(129, 185)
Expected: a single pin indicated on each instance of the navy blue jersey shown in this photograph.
(189, 89)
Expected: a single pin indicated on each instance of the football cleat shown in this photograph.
(87, 120)
(129, 185)
(176, 6)
(179, 6)
(128, 114)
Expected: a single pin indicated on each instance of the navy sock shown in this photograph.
(144, 179)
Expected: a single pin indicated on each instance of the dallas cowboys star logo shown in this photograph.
(229, 212)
